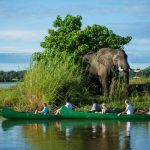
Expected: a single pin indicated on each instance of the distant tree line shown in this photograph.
(11, 76)
(145, 72)
(140, 73)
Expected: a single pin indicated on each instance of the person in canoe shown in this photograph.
(129, 108)
(95, 106)
(67, 104)
(104, 108)
(77, 100)
(44, 111)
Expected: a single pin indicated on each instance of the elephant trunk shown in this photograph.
(126, 77)
(125, 68)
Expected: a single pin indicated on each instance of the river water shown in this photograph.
(7, 84)
(74, 135)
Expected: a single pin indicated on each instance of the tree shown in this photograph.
(68, 37)
(68, 40)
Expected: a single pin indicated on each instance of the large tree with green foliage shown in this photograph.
(68, 37)
(66, 42)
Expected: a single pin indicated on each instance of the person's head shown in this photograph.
(67, 100)
(44, 104)
(103, 105)
(77, 95)
(95, 101)
(126, 101)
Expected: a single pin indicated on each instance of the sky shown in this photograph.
(24, 23)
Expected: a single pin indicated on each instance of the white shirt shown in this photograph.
(104, 110)
(129, 109)
(68, 105)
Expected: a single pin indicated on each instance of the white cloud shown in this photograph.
(13, 66)
(140, 41)
(140, 9)
(13, 49)
(22, 34)
(132, 51)
(136, 7)
(139, 48)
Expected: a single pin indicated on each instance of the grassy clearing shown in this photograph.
(141, 80)
(8, 96)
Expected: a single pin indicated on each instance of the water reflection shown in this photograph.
(75, 134)
(128, 128)
(125, 143)
(43, 126)
(64, 128)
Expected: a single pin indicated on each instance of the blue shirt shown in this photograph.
(69, 105)
(45, 110)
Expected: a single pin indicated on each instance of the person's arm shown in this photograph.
(67, 104)
(93, 107)
(43, 110)
(124, 112)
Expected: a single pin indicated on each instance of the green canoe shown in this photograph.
(70, 114)
(66, 113)
(11, 114)
(0, 112)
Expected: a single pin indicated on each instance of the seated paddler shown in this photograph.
(44, 111)
(95, 106)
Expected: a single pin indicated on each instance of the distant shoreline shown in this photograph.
(7, 67)
(7, 84)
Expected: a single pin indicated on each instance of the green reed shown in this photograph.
(8, 96)
(57, 79)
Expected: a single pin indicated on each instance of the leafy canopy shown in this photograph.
(68, 37)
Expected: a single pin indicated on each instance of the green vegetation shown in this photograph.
(57, 73)
(9, 96)
(141, 73)
(58, 79)
(141, 80)
(11, 76)
(68, 37)
(16, 97)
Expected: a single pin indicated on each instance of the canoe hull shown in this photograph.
(11, 114)
(70, 114)
(66, 113)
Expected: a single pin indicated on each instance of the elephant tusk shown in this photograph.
(120, 69)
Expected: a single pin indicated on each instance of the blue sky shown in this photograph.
(24, 23)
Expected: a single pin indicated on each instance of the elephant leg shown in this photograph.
(112, 88)
(103, 81)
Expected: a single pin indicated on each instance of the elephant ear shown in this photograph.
(88, 57)
(101, 60)
(104, 60)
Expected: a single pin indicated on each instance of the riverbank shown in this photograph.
(13, 97)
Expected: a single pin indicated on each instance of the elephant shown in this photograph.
(104, 63)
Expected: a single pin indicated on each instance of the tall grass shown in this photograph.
(8, 96)
(57, 79)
